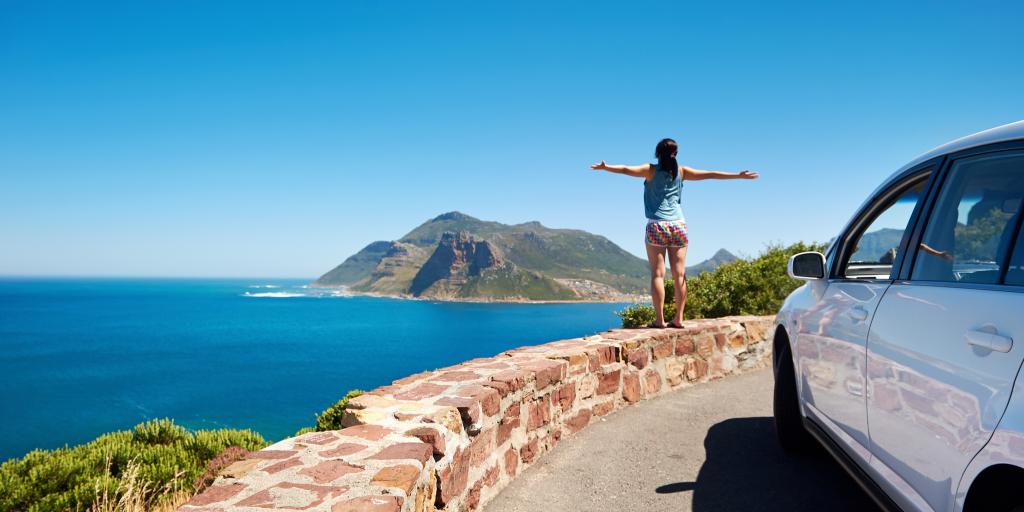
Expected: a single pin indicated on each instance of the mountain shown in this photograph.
(710, 264)
(455, 255)
(875, 245)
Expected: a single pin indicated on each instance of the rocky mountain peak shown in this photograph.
(453, 215)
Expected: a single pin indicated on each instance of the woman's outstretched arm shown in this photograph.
(689, 173)
(636, 171)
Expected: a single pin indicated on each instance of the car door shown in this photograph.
(832, 332)
(947, 338)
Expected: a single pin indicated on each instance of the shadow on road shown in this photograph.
(746, 470)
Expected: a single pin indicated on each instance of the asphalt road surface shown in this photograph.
(707, 448)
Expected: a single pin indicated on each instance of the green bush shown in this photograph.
(741, 287)
(304, 430)
(641, 315)
(167, 458)
(330, 419)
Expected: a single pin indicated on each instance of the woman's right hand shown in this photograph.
(599, 167)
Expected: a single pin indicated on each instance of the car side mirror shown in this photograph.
(807, 266)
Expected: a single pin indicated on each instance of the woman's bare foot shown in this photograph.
(656, 325)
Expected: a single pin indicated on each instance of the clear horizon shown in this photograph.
(196, 140)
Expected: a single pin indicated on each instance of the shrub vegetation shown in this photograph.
(330, 419)
(155, 462)
(741, 287)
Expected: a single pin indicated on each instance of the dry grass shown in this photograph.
(133, 494)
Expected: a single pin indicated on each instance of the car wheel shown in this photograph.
(789, 425)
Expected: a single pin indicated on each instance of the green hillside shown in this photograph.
(540, 256)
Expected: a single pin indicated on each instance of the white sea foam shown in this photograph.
(264, 286)
(277, 295)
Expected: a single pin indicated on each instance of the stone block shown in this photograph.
(675, 372)
(684, 347)
(511, 461)
(580, 420)
(663, 350)
(508, 423)
(425, 390)
(652, 382)
(448, 417)
(631, 387)
(529, 451)
(489, 398)
(608, 382)
(370, 504)
(604, 408)
(431, 436)
(587, 386)
(696, 369)
(705, 346)
(342, 450)
(638, 358)
(512, 379)
(367, 432)
(290, 495)
(402, 477)
(565, 395)
(421, 452)
(453, 477)
(469, 408)
(539, 413)
(481, 447)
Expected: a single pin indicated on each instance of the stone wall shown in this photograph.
(451, 439)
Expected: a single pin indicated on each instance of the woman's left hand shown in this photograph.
(748, 175)
(599, 167)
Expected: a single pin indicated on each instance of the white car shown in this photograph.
(902, 352)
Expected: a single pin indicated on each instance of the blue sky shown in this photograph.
(192, 138)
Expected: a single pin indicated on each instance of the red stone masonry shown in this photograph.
(452, 438)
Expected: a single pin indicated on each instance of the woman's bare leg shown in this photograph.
(677, 259)
(656, 258)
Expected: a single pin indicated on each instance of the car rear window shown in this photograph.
(974, 222)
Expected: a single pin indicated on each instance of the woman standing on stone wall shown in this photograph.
(666, 226)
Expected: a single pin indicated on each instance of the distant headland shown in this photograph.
(458, 257)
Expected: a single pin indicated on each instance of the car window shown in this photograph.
(1015, 274)
(970, 229)
(875, 249)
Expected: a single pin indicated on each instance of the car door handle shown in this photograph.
(989, 340)
(858, 313)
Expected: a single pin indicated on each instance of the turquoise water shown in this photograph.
(80, 357)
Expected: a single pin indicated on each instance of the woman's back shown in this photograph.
(662, 195)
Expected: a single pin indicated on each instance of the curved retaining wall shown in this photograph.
(451, 439)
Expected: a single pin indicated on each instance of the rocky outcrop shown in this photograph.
(465, 266)
(457, 258)
(451, 439)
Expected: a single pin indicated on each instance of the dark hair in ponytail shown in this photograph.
(666, 155)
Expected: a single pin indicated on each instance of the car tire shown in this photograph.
(789, 424)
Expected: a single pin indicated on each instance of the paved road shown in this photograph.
(708, 448)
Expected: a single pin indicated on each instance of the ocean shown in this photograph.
(81, 357)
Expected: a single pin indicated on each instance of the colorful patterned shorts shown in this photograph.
(667, 233)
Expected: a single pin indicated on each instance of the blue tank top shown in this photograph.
(663, 195)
